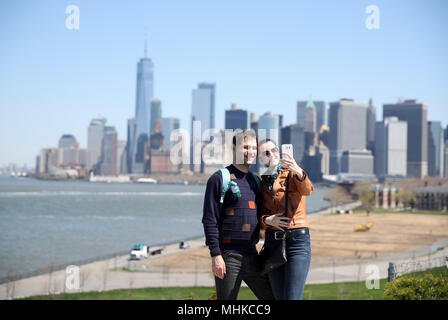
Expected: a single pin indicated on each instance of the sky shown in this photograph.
(262, 55)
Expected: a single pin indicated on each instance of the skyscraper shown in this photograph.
(415, 114)
(295, 135)
(129, 144)
(68, 141)
(144, 94)
(203, 106)
(68, 150)
(435, 149)
(347, 130)
(269, 127)
(371, 122)
(236, 118)
(109, 165)
(320, 114)
(391, 147)
(301, 108)
(95, 134)
(156, 113)
(310, 117)
(168, 126)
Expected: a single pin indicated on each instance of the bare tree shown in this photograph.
(337, 196)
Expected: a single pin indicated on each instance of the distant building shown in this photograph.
(68, 141)
(317, 162)
(236, 118)
(295, 135)
(269, 127)
(301, 110)
(48, 160)
(84, 157)
(432, 198)
(311, 140)
(203, 105)
(160, 162)
(357, 161)
(68, 151)
(310, 117)
(347, 130)
(415, 114)
(95, 133)
(384, 196)
(142, 122)
(156, 113)
(320, 114)
(391, 147)
(109, 165)
(253, 122)
(121, 157)
(324, 133)
(131, 132)
(435, 149)
(370, 127)
(168, 126)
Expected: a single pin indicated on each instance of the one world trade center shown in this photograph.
(140, 125)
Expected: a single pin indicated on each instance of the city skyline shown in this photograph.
(264, 68)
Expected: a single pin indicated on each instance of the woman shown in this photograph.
(288, 280)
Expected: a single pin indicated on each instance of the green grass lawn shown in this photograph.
(332, 291)
(328, 291)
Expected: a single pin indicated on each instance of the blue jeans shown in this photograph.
(288, 280)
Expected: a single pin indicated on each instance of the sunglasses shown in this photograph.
(268, 153)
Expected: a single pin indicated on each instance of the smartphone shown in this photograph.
(287, 149)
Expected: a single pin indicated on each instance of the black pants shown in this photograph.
(241, 267)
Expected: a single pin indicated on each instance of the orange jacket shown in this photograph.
(275, 203)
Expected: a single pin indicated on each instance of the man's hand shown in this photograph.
(277, 221)
(218, 266)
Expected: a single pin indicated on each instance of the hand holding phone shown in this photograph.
(288, 160)
(287, 149)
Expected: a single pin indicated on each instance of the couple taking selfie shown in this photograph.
(238, 204)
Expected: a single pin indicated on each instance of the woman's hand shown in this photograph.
(292, 166)
(277, 221)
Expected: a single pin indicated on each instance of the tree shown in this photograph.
(406, 197)
(367, 198)
(337, 196)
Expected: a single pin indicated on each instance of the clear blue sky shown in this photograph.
(263, 55)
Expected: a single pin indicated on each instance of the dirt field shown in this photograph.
(333, 236)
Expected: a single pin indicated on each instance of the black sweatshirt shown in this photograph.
(211, 212)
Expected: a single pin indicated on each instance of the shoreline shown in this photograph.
(123, 254)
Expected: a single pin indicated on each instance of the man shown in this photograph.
(231, 223)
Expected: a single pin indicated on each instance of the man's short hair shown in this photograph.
(267, 140)
(241, 134)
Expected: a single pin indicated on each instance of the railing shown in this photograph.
(398, 269)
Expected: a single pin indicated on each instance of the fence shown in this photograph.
(398, 269)
(12, 275)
